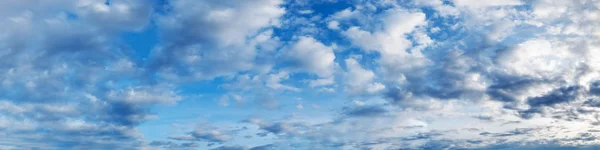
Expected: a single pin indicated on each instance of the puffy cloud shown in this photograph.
(227, 23)
(481, 4)
(199, 35)
(550, 8)
(67, 82)
(333, 25)
(517, 70)
(347, 13)
(391, 42)
(538, 58)
(274, 79)
(359, 80)
(439, 6)
(311, 56)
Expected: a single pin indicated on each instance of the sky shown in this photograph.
(299, 74)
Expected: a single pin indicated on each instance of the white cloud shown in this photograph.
(539, 58)
(391, 42)
(65, 70)
(439, 6)
(375, 87)
(305, 12)
(345, 14)
(210, 33)
(299, 106)
(333, 25)
(550, 8)
(359, 80)
(64, 59)
(483, 4)
(321, 82)
(227, 23)
(119, 14)
(145, 95)
(311, 56)
(398, 22)
(273, 81)
(224, 101)
(326, 90)
(358, 103)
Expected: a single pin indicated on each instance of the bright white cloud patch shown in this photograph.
(311, 56)
(539, 58)
(360, 80)
(482, 4)
(391, 42)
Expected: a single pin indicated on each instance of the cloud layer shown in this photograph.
(297, 74)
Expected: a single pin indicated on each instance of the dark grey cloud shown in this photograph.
(365, 111)
(560, 95)
(592, 102)
(507, 86)
(595, 88)
(555, 97)
(515, 132)
(397, 95)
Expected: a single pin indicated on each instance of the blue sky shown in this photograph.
(299, 74)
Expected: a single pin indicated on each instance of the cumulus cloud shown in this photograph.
(311, 56)
(66, 77)
(333, 25)
(359, 80)
(520, 75)
(538, 58)
(391, 42)
(200, 35)
(211, 136)
(481, 4)
(424, 74)
(274, 80)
